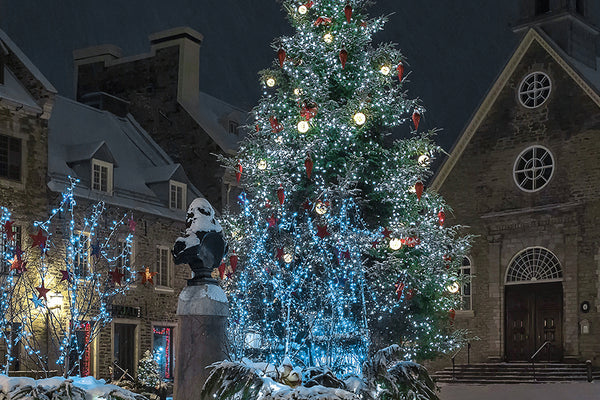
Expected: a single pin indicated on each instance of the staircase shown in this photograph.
(515, 373)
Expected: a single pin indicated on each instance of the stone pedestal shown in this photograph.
(202, 312)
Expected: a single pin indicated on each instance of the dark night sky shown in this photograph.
(455, 48)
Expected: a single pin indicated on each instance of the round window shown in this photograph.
(533, 168)
(534, 89)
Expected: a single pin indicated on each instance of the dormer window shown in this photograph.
(102, 176)
(177, 197)
(233, 127)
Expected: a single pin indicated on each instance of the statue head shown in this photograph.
(201, 217)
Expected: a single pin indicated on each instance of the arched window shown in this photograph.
(465, 287)
(534, 265)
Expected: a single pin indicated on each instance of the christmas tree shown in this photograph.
(57, 292)
(338, 243)
(148, 372)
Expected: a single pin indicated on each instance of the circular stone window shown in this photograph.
(534, 89)
(533, 168)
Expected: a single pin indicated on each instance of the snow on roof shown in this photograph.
(13, 91)
(213, 115)
(76, 132)
(26, 62)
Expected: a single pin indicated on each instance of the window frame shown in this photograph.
(461, 290)
(109, 176)
(172, 326)
(534, 75)
(120, 263)
(76, 261)
(159, 277)
(6, 246)
(20, 157)
(520, 156)
(177, 185)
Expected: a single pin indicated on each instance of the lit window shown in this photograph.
(102, 176)
(163, 350)
(10, 158)
(163, 266)
(465, 287)
(533, 168)
(81, 252)
(535, 89)
(177, 198)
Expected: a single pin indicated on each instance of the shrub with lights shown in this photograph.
(337, 239)
(59, 284)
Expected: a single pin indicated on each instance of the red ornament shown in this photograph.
(39, 239)
(451, 314)
(410, 294)
(374, 244)
(308, 164)
(363, 24)
(42, 291)
(238, 173)
(412, 241)
(322, 231)
(441, 217)
(272, 221)
(8, 230)
(276, 127)
(222, 270)
(399, 289)
(132, 224)
(309, 4)
(419, 189)
(308, 111)
(348, 12)
(257, 128)
(343, 57)
(280, 194)
(416, 117)
(233, 260)
(116, 275)
(400, 70)
(279, 254)
(386, 232)
(281, 56)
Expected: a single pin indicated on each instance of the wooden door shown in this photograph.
(533, 315)
(124, 349)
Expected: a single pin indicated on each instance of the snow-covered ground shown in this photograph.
(548, 391)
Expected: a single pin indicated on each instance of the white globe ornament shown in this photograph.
(453, 288)
(395, 244)
(271, 82)
(302, 9)
(298, 91)
(385, 70)
(303, 126)
(424, 160)
(262, 165)
(321, 208)
(359, 118)
(328, 38)
(288, 258)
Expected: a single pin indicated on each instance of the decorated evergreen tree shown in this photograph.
(148, 372)
(337, 241)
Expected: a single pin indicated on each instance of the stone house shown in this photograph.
(44, 139)
(162, 89)
(523, 178)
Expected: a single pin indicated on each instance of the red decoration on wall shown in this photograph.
(343, 57)
(147, 276)
(280, 194)
(276, 127)
(132, 224)
(419, 189)
(442, 217)
(281, 56)
(66, 276)
(238, 173)
(16, 264)
(116, 275)
(400, 70)
(308, 164)
(322, 231)
(42, 291)
(348, 12)
(233, 260)
(416, 117)
(8, 230)
(39, 239)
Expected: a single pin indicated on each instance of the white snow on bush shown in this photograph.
(75, 387)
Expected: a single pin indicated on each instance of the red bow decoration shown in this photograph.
(276, 127)
(322, 20)
(309, 4)
(399, 289)
(222, 270)
(308, 111)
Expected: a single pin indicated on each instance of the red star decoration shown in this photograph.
(116, 275)
(132, 224)
(8, 230)
(148, 276)
(39, 239)
(272, 221)
(374, 243)
(346, 254)
(322, 231)
(386, 233)
(17, 265)
(65, 275)
(279, 254)
(42, 291)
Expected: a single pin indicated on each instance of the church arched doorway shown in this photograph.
(534, 304)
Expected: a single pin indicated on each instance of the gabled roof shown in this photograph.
(77, 132)
(26, 62)
(577, 71)
(14, 92)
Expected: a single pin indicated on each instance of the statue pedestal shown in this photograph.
(202, 312)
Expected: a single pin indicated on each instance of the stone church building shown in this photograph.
(524, 178)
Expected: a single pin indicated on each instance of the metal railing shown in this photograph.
(457, 352)
(546, 345)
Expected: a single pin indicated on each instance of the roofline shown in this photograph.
(490, 98)
(27, 62)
